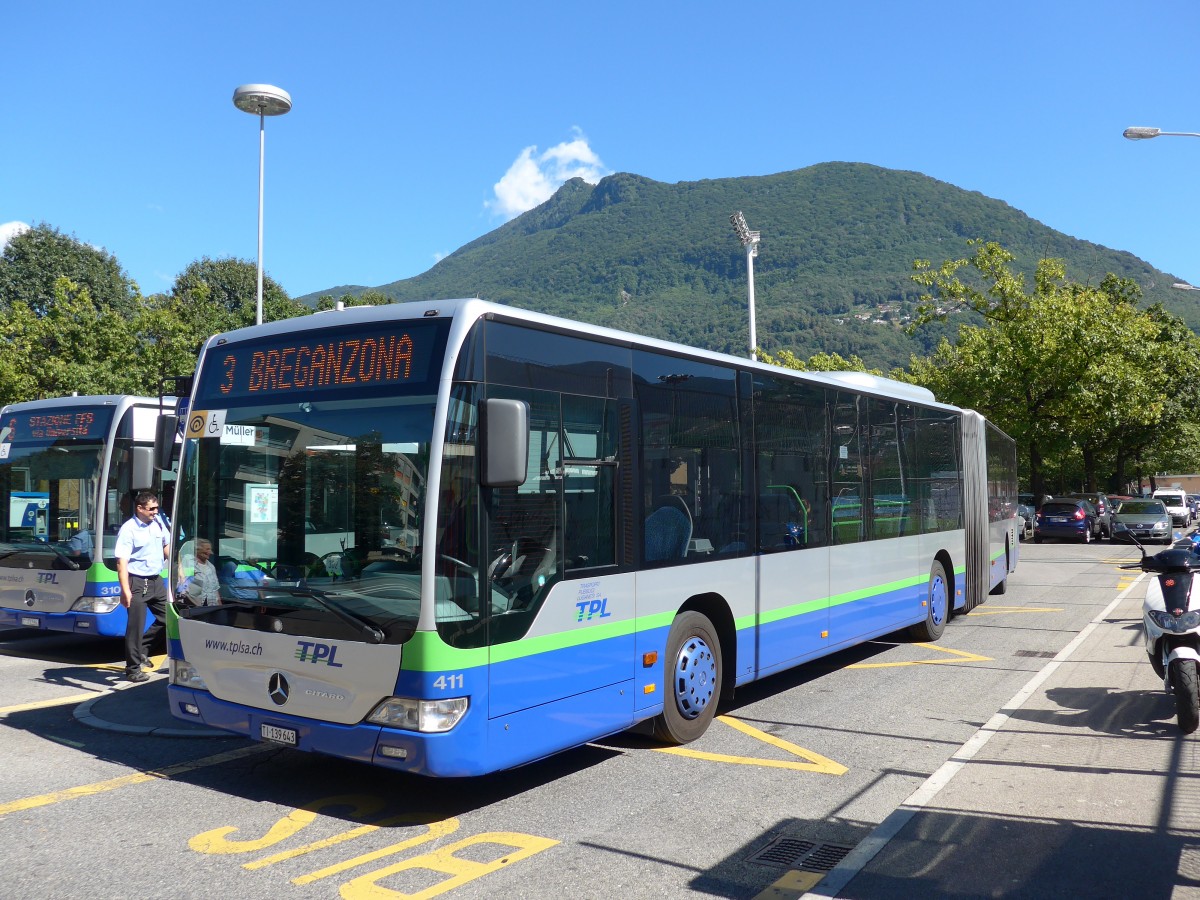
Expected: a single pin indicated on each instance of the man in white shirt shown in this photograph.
(142, 546)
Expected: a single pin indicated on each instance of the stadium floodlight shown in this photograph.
(749, 240)
(262, 100)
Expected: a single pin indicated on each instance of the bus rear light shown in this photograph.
(95, 604)
(428, 716)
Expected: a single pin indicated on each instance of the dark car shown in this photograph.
(1066, 519)
(1103, 510)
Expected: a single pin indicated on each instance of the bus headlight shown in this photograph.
(95, 604)
(419, 715)
(184, 674)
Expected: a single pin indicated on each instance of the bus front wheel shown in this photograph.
(692, 673)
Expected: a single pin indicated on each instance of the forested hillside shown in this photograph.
(832, 273)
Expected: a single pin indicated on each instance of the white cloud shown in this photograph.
(534, 177)
(10, 230)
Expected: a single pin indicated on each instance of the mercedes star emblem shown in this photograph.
(30, 599)
(277, 689)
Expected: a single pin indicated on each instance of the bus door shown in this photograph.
(560, 617)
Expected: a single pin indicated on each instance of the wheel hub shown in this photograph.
(695, 677)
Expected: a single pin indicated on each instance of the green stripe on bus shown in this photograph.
(425, 651)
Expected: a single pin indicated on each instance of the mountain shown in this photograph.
(832, 272)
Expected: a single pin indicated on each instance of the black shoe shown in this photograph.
(137, 676)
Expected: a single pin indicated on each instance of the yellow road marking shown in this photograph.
(955, 656)
(100, 787)
(791, 886)
(43, 704)
(816, 762)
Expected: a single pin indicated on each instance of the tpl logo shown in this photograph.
(47, 578)
(592, 609)
(316, 652)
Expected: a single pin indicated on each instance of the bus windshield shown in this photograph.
(311, 510)
(49, 487)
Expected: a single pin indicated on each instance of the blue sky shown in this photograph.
(418, 127)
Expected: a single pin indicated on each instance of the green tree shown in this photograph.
(34, 260)
(222, 294)
(1070, 370)
(77, 345)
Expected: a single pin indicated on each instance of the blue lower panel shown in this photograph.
(878, 614)
(110, 624)
(477, 746)
(788, 642)
(348, 741)
(534, 733)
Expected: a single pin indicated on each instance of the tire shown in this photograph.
(1185, 684)
(1087, 537)
(692, 678)
(1001, 588)
(937, 606)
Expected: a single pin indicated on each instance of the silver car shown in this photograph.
(1147, 521)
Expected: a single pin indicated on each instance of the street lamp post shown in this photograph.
(749, 241)
(1144, 133)
(262, 100)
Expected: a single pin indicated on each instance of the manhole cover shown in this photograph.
(809, 856)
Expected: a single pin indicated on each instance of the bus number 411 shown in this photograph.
(449, 682)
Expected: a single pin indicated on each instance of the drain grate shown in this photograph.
(1040, 654)
(790, 853)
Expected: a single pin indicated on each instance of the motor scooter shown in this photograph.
(1171, 626)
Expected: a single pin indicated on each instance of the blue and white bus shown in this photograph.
(602, 530)
(69, 466)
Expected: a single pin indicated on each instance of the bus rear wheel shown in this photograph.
(692, 674)
(937, 606)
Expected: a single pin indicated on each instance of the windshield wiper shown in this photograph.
(38, 547)
(365, 625)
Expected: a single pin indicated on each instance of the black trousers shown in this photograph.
(148, 593)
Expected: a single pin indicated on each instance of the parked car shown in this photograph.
(1176, 503)
(1103, 510)
(1146, 520)
(1068, 519)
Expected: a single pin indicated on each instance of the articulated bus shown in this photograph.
(68, 468)
(549, 532)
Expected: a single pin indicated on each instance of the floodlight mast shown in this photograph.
(749, 240)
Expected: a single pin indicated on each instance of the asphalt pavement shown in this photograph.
(1081, 786)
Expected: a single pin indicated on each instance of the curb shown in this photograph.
(85, 715)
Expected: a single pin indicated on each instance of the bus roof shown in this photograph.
(470, 309)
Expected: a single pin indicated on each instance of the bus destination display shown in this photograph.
(53, 424)
(316, 362)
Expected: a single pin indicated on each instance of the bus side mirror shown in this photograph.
(505, 443)
(141, 470)
(165, 431)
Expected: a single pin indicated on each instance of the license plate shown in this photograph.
(31, 622)
(278, 735)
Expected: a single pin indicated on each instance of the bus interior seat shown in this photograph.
(668, 530)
